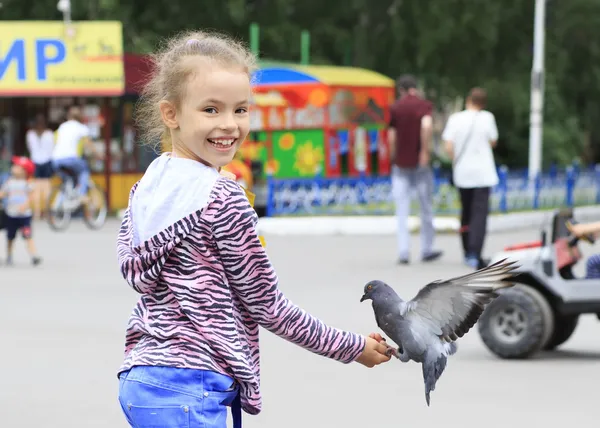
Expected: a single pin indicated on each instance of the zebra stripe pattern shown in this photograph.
(206, 284)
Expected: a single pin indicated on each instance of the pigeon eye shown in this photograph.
(369, 287)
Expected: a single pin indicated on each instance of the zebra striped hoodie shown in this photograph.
(188, 245)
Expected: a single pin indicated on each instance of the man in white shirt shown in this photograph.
(68, 153)
(469, 137)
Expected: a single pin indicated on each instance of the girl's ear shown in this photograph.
(168, 112)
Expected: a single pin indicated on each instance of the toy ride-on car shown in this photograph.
(541, 311)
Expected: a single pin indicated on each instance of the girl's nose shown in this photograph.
(229, 123)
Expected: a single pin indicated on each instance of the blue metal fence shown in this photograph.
(572, 186)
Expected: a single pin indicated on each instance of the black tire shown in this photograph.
(524, 306)
(564, 326)
(58, 218)
(95, 219)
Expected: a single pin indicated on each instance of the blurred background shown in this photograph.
(322, 94)
(318, 161)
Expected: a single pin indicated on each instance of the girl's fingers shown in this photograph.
(377, 337)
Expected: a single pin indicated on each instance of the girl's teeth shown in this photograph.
(223, 142)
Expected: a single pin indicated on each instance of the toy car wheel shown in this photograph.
(564, 326)
(518, 323)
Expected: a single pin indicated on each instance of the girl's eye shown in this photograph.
(242, 110)
(210, 110)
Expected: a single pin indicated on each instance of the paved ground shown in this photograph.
(63, 325)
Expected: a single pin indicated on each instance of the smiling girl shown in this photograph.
(189, 245)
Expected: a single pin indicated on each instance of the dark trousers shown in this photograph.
(473, 219)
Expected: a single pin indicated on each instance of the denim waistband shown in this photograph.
(188, 381)
(193, 382)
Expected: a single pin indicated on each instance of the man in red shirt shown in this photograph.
(410, 131)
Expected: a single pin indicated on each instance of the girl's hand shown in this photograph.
(374, 352)
(378, 337)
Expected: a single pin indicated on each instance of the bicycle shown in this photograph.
(65, 200)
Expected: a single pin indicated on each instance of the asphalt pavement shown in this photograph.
(62, 332)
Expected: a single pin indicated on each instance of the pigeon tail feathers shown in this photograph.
(432, 370)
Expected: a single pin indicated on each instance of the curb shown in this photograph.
(386, 225)
(359, 225)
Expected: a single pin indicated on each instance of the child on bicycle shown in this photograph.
(17, 195)
(189, 245)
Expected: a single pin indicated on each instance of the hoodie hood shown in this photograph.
(164, 207)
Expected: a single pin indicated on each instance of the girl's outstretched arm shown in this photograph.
(252, 277)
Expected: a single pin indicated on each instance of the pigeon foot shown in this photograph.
(392, 352)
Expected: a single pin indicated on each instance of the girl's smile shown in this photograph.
(223, 144)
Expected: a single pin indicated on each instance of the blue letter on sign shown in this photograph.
(43, 60)
(15, 53)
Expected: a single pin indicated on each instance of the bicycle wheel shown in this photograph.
(59, 213)
(95, 209)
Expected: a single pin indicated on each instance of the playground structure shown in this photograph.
(310, 121)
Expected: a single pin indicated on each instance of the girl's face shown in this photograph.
(213, 119)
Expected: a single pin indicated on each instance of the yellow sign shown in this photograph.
(51, 58)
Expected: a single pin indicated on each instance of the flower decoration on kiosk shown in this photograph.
(308, 159)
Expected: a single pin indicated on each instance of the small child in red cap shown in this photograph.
(16, 192)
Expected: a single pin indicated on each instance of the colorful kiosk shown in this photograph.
(319, 121)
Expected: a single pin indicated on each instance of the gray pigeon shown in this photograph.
(426, 327)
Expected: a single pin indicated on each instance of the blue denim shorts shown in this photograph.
(169, 397)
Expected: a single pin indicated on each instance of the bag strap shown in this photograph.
(467, 139)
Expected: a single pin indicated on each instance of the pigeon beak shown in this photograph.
(363, 298)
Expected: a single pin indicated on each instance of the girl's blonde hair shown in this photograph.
(172, 69)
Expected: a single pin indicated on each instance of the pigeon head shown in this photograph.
(374, 290)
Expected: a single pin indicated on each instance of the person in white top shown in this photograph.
(40, 144)
(469, 137)
(70, 137)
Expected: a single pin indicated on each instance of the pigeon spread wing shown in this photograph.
(451, 308)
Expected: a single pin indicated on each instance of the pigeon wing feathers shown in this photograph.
(451, 308)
